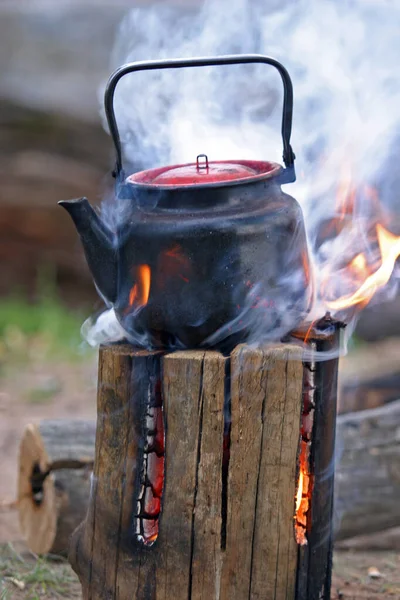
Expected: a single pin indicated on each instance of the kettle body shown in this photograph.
(211, 261)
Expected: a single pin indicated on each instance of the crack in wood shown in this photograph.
(283, 441)
(152, 468)
(200, 430)
(226, 448)
(262, 384)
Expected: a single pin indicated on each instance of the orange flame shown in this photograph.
(389, 246)
(299, 494)
(303, 495)
(302, 501)
(301, 517)
(139, 294)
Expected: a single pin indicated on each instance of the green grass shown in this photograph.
(46, 317)
(42, 329)
(38, 577)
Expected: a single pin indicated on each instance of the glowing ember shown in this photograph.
(139, 294)
(304, 484)
(389, 245)
(302, 497)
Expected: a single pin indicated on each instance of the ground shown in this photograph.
(25, 577)
(41, 377)
(351, 578)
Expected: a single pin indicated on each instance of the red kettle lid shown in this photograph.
(205, 172)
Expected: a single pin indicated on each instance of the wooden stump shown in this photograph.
(55, 462)
(210, 514)
(223, 532)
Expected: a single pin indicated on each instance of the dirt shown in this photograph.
(366, 575)
(356, 576)
(26, 577)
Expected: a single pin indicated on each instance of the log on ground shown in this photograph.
(368, 472)
(55, 464)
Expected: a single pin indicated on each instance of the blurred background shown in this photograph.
(54, 57)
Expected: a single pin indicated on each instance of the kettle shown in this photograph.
(209, 253)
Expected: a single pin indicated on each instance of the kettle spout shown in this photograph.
(98, 244)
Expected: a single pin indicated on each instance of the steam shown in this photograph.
(343, 60)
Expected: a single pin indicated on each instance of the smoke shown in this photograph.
(343, 60)
(342, 57)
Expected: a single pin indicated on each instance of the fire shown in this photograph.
(304, 484)
(302, 497)
(299, 494)
(359, 264)
(360, 252)
(139, 294)
(389, 246)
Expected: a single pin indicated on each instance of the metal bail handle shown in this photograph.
(288, 175)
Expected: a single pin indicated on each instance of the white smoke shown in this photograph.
(343, 58)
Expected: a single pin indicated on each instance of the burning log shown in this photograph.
(55, 462)
(219, 524)
(214, 514)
